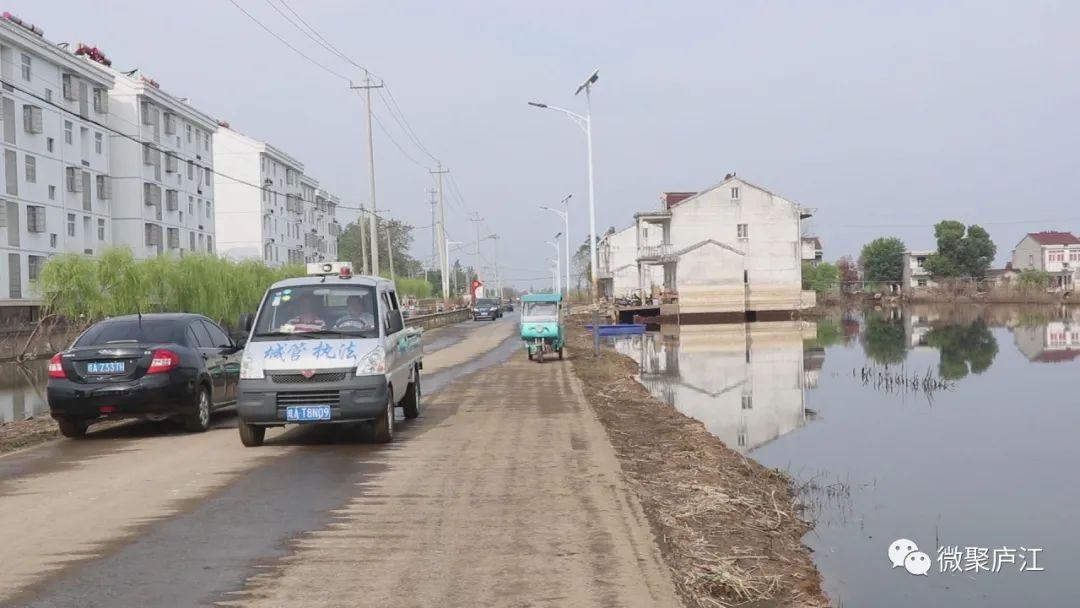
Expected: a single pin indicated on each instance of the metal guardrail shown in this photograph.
(437, 319)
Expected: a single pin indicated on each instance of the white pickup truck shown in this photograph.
(328, 348)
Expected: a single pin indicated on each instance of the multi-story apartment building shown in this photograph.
(163, 149)
(267, 208)
(57, 189)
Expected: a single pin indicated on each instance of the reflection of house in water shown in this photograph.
(1051, 343)
(917, 324)
(22, 390)
(813, 360)
(745, 382)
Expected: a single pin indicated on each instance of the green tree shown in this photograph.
(882, 260)
(884, 339)
(821, 277)
(400, 242)
(964, 349)
(961, 251)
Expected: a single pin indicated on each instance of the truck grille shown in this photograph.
(309, 398)
(297, 378)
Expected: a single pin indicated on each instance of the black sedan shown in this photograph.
(154, 366)
(486, 309)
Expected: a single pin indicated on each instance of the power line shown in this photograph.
(327, 45)
(286, 43)
(395, 113)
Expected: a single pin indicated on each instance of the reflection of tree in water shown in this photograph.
(964, 348)
(884, 339)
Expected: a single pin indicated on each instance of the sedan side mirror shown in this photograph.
(241, 342)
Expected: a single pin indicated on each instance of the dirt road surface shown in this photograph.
(505, 492)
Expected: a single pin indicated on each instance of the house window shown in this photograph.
(919, 261)
(32, 119)
(101, 229)
(49, 143)
(922, 282)
(734, 193)
(99, 142)
(35, 218)
(31, 169)
(743, 231)
(67, 132)
(1031, 260)
(52, 193)
(747, 402)
(101, 101)
(26, 67)
(34, 263)
(71, 224)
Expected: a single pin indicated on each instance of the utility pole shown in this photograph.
(495, 247)
(389, 250)
(367, 86)
(476, 219)
(444, 253)
(363, 241)
(434, 251)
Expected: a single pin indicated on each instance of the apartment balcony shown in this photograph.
(656, 254)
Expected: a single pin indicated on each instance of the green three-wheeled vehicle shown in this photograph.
(542, 325)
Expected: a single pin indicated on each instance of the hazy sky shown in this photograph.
(884, 116)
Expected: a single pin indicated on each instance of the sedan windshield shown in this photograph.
(318, 310)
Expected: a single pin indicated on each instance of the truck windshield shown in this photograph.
(541, 310)
(328, 310)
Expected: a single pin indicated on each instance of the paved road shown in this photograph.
(504, 492)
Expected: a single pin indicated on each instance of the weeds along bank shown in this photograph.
(77, 287)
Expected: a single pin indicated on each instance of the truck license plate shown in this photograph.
(307, 413)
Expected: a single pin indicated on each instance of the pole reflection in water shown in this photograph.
(746, 383)
(22, 390)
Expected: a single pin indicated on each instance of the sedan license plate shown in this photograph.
(307, 413)
(105, 367)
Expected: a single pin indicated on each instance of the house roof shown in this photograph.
(670, 199)
(731, 177)
(1056, 356)
(1050, 237)
(813, 240)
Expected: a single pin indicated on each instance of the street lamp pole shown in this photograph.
(554, 274)
(454, 277)
(558, 263)
(585, 123)
(495, 246)
(565, 215)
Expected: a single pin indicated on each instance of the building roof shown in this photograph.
(1050, 237)
(1056, 356)
(671, 199)
(731, 177)
(813, 240)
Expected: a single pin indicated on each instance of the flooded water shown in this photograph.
(954, 429)
(22, 390)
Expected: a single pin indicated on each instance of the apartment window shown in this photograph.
(191, 170)
(209, 211)
(170, 124)
(734, 193)
(202, 241)
(101, 101)
(206, 143)
(171, 200)
(74, 179)
(31, 169)
(104, 187)
(99, 142)
(71, 224)
(172, 164)
(190, 205)
(100, 229)
(144, 112)
(26, 67)
(52, 193)
(68, 139)
(52, 240)
(35, 218)
(743, 231)
(71, 92)
(153, 235)
(210, 243)
(32, 119)
(48, 95)
(191, 238)
(34, 263)
(173, 236)
(207, 176)
(49, 143)
(151, 194)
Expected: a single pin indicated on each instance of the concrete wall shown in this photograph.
(1028, 255)
(710, 279)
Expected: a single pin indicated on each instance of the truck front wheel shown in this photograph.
(384, 427)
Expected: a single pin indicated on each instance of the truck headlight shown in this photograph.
(250, 369)
(373, 363)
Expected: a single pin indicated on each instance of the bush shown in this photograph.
(74, 286)
(417, 288)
